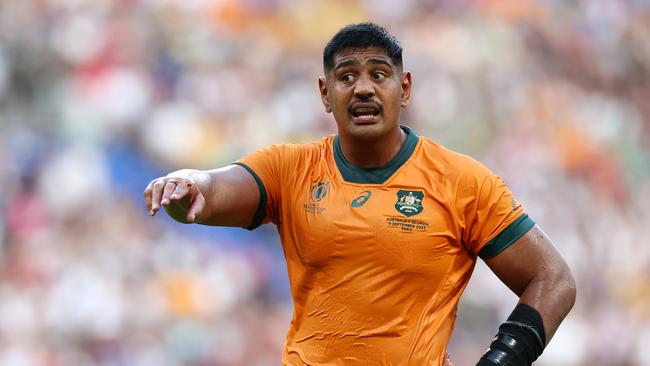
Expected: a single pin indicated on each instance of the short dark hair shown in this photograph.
(362, 36)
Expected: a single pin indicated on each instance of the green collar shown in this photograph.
(355, 174)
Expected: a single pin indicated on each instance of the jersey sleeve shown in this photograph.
(493, 219)
(269, 168)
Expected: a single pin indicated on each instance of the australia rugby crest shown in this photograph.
(409, 203)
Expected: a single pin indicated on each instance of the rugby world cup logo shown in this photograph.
(319, 191)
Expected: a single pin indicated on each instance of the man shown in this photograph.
(380, 228)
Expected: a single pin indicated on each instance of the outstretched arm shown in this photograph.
(536, 272)
(227, 196)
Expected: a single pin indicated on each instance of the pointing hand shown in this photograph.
(176, 194)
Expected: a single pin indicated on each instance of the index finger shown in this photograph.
(147, 197)
(182, 189)
(170, 187)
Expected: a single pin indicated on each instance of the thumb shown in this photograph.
(198, 203)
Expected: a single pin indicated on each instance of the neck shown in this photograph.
(372, 153)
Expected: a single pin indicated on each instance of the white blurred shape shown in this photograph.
(74, 179)
(642, 354)
(440, 92)
(455, 48)
(153, 355)
(122, 94)
(80, 38)
(85, 302)
(569, 344)
(296, 96)
(189, 341)
(232, 280)
(17, 356)
(173, 131)
(17, 314)
(602, 117)
(187, 5)
(81, 120)
(229, 335)
(389, 9)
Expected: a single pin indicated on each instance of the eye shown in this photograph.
(348, 78)
(378, 75)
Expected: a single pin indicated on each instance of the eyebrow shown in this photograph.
(372, 61)
(378, 61)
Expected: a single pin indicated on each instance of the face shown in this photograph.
(366, 92)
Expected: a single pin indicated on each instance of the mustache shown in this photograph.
(365, 102)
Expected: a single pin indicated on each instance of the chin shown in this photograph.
(367, 131)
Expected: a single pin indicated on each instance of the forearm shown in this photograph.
(523, 336)
(536, 272)
(227, 196)
(553, 296)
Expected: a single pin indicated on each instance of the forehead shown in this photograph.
(361, 55)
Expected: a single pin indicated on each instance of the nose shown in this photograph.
(364, 88)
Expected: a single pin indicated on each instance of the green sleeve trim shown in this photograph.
(261, 207)
(507, 237)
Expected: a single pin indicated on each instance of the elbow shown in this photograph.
(573, 290)
(567, 290)
(558, 288)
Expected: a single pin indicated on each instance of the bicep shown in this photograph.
(234, 197)
(531, 256)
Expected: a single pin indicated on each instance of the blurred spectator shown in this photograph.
(98, 97)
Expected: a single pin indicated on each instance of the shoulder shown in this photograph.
(454, 165)
(303, 151)
(317, 145)
(290, 155)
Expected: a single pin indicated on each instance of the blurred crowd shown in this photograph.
(97, 97)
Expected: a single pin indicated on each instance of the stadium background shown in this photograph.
(98, 97)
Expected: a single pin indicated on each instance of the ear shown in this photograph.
(406, 82)
(322, 86)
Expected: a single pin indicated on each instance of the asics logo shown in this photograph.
(361, 199)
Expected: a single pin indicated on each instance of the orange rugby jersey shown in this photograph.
(378, 258)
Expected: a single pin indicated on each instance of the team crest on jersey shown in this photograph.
(319, 191)
(409, 203)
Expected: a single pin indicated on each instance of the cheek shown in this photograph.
(393, 104)
(339, 100)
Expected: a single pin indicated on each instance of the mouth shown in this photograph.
(365, 113)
